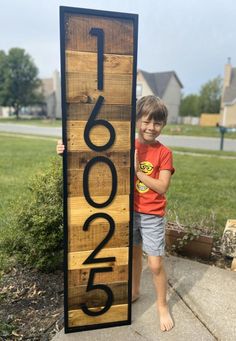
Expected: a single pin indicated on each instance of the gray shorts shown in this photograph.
(149, 230)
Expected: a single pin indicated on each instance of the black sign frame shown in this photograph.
(116, 15)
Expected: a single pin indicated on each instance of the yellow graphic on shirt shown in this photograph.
(146, 167)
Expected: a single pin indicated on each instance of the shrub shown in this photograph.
(35, 237)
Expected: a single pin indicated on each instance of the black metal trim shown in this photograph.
(101, 13)
(64, 138)
(132, 150)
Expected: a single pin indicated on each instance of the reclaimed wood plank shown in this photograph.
(79, 209)
(76, 259)
(99, 135)
(100, 181)
(114, 314)
(80, 240)
(81, 87)
(80, 276)
(109, 112)
(78, 160)
(96, 298)
(77, 61)
(118, 34)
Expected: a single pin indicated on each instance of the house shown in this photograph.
(165, 85)
(51, 89)
(228, 99)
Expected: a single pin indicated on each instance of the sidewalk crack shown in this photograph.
(194, 313)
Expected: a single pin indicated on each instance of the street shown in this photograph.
(210, 143)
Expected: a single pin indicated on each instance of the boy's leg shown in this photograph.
(160, 281)
(136, 271)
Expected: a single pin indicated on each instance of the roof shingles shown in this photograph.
(158, 81)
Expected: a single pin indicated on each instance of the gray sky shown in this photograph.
(192, 37)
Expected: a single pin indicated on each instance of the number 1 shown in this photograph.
(100, 48)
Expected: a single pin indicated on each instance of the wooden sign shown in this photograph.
(98, 67)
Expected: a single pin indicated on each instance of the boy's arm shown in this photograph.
(157, 185)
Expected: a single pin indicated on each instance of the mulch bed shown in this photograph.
(32, 302)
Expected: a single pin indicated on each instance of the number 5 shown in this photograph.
(103, 287)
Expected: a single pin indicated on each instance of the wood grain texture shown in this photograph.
(100, 181)
(81, 76)
(78, 160)
(99, 135)
(97, 297)
(118, 34)
(109, 112)
(79, 209)
(80, 276)
(80, 240)
(114, 314)
(81, 87)
(77, 61)
(76, 259)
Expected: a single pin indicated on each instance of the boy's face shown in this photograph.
(148, 129)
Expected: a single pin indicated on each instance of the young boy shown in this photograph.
(153, 170)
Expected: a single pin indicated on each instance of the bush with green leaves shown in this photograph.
(35, 234)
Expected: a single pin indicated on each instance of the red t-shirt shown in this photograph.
(152, 159)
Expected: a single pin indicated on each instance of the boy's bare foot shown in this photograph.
(166, 322)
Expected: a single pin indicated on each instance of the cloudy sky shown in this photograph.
(192, 37)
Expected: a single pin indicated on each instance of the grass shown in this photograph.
(20, 158)
(32, 121)
(203, 191)
(190, 130)
(219, 153)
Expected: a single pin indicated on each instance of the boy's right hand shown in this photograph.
(60, 147)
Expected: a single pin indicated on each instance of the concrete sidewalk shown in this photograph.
(202, 302)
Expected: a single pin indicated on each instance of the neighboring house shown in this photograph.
(165, 85)
(51, 89)
(228, 100)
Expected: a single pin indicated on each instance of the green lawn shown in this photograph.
(32, 121)
(20, 158)
(203, 189)
(190, 130)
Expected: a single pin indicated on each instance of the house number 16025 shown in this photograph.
(92, 122)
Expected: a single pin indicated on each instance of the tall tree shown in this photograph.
(189, 105)
(19, 82)
(210, 95)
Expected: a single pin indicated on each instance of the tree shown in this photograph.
(189, 105)
(210, 95)
(19, 82)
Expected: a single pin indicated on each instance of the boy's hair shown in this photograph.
(153, 107)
